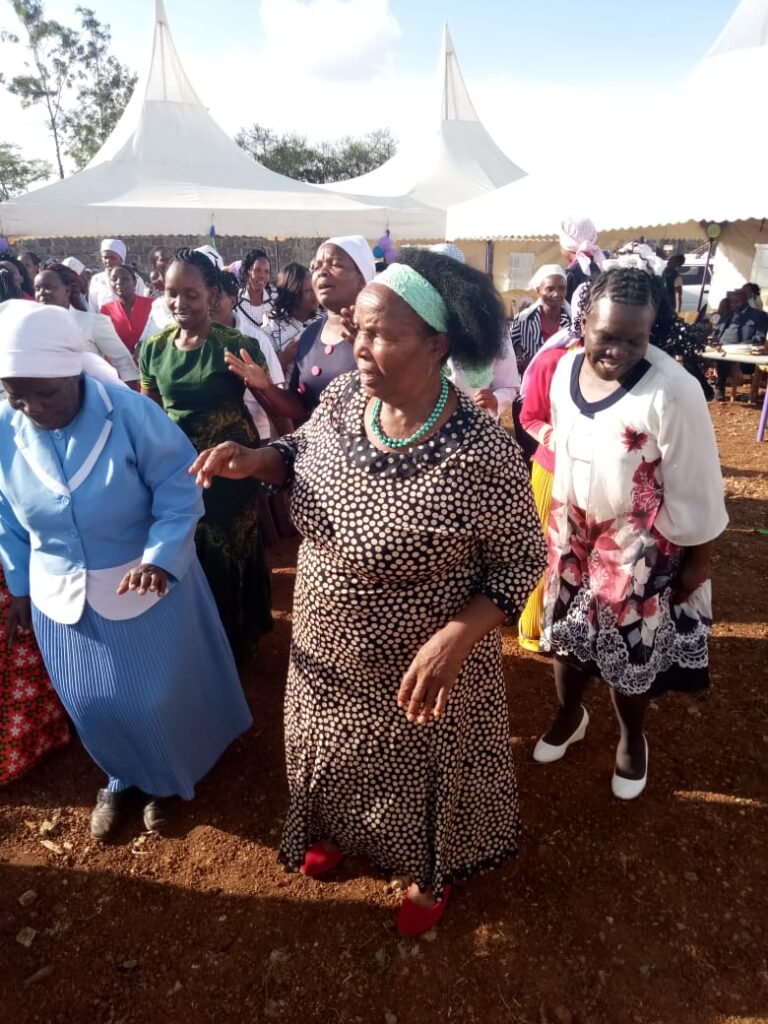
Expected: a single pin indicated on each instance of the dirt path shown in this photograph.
(653, 912)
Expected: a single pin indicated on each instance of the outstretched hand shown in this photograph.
(230, 460)
(249, 372)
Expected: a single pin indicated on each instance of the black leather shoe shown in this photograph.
(155, 814)
(109, 811)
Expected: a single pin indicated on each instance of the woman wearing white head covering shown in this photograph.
(100, 292)
(532, 327)
(341, 269)
(578, 244)
(121, 609)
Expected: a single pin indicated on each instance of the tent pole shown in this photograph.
(705, 279)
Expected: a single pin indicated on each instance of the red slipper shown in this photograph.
(319, 861)
(413, 919)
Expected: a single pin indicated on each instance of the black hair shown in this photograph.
(676, 260)
(209, 272)
(126, 266)
(70, 280)
(33, 256)
(248, 261)
(475, 310)
(288, 289)
(229, 284)
(632, 287)
(27, 284)
(160, 248)
(753, 288)
(8, 289)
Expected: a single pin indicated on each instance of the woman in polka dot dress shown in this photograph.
(420, 538)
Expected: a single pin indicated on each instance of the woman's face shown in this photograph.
(33, 268)
(395, 351)
(15, 273)
(551, 291)
(335, 278)
(111, 260)
(616, 337)
(225, 308)
(49, 402)
(50, 290)
(123, 284)
(188, 297)
(259, 275)
(307, 300)
(161, 260)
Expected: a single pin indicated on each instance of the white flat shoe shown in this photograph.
(546, 753)
(629, 789)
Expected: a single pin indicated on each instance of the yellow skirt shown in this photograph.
(529, 627)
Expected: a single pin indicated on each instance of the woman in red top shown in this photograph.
(129, 312)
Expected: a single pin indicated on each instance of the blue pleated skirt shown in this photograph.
(156, 699)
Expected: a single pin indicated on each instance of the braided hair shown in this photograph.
(209, 272)
(633, 287)
(27, 285)
(8, 289)
(229, 284)
(475, 312)
(251, 257)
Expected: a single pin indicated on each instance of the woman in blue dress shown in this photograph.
(97, 523)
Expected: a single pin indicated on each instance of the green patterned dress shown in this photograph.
(205, 399)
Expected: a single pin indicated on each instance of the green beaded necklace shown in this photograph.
(403, 442)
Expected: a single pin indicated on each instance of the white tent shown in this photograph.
(458, 160)
(168, 168)
(716, 173)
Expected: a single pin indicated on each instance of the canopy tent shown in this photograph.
(168, 168)
(457, 161)
(703, 182)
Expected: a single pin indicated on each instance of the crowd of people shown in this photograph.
(135, 581)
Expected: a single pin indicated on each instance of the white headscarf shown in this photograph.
(74, 264)
(45, 341)
(116, 246)
(448, 249)
(580, 238)
(541, 275)
(358, 250)
(213, 255)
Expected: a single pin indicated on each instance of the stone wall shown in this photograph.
(231, 247)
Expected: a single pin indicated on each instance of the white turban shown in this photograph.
(74, 264)
(213, 255)
(357, 248)
(39, 341)
(541, 275)
(116, 246)
(448, 249)
(580, 238)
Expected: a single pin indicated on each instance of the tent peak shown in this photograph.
(455, 104)
(746, 29)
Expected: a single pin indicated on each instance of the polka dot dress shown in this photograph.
(395, 545)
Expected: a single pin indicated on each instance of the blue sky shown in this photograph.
(333, 67)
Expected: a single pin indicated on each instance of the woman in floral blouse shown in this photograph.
(637, 503)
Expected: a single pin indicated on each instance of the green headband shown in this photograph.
(421, 296)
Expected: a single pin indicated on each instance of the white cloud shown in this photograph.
(332, 40)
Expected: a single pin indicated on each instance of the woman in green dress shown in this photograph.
(186, 368)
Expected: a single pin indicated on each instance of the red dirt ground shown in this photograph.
(653, 912)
